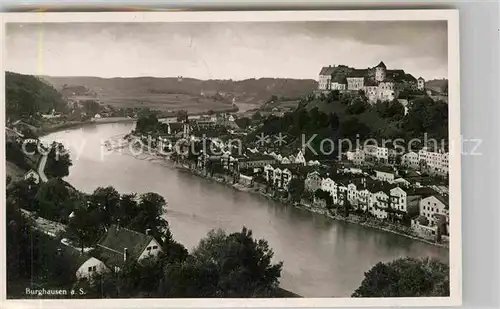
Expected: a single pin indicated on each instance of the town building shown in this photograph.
(82, 265)
(31, 174)
(245, 180)
(313, 181)
(300, 158)
(434, 206)
(410, 159)
(398, 199)
(119, 245)
(420, 83)
(279, 177)
(356, 157)
(385, 174)
(256, 161)
(436, 163)
(378, 83)
(90, 268)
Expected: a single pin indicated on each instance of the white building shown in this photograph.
(91, 268)
(280, 178)
(432, 206)
(420, 83)
(436, 162)
(380, 203)
(299, 158)
(31, 174)
(382, 153)
(357, 157)
(410, 159)
(385, 175)
(398, 199)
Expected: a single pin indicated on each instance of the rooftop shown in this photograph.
(110, 249)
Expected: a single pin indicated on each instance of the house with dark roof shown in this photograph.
(120, 245)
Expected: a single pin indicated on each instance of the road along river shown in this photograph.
(322, 258)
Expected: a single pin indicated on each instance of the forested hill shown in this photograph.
(347, 116)
(26, 95)
(245, 91)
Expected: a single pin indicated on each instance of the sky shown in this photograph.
(225, 50)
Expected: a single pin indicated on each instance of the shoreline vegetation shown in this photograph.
(353, 219)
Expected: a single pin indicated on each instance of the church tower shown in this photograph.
(380, 71)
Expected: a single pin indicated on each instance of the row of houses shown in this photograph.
(435, 163)
(380, 198)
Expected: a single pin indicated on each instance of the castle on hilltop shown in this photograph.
(378, 83)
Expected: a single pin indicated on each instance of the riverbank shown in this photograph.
(373, 223)
(353, 219)
(44, 130)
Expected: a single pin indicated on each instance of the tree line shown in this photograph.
(349, 116)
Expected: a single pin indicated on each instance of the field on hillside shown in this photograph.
(163, 102)
(168, 93)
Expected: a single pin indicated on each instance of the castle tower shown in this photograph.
(421, 83)
(380, 70)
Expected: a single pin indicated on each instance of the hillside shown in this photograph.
(26, 95)
(172, 93)
(437, 85)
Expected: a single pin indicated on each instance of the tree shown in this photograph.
(243, 122)
(91, 107)
(54, 200)
(22, 193)
(182, 115)
(406, 277)
(85, 226)
(257, 116)
(107, 199)
(151, 211)
(242, 266)
(147, 122)
(127, 209)
(58, 161)
(295, 189)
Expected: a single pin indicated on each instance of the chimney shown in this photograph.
(125, 254)
(148, 232)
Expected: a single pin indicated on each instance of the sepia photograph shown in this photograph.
(307, 158)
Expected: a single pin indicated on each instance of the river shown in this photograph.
(322, 258)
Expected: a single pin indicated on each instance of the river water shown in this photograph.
(322, 258)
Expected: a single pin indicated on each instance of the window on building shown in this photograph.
(155, 247)
(148, 248)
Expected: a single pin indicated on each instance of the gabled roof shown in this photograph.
(358, 73)
(71, 257)
(370, 82)
(384, 169)
(327, 70)
(176, 125)
(410, 77)
(381, 65)
(110, 249)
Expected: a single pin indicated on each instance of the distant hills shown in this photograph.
(171, 92)
(437, 85)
